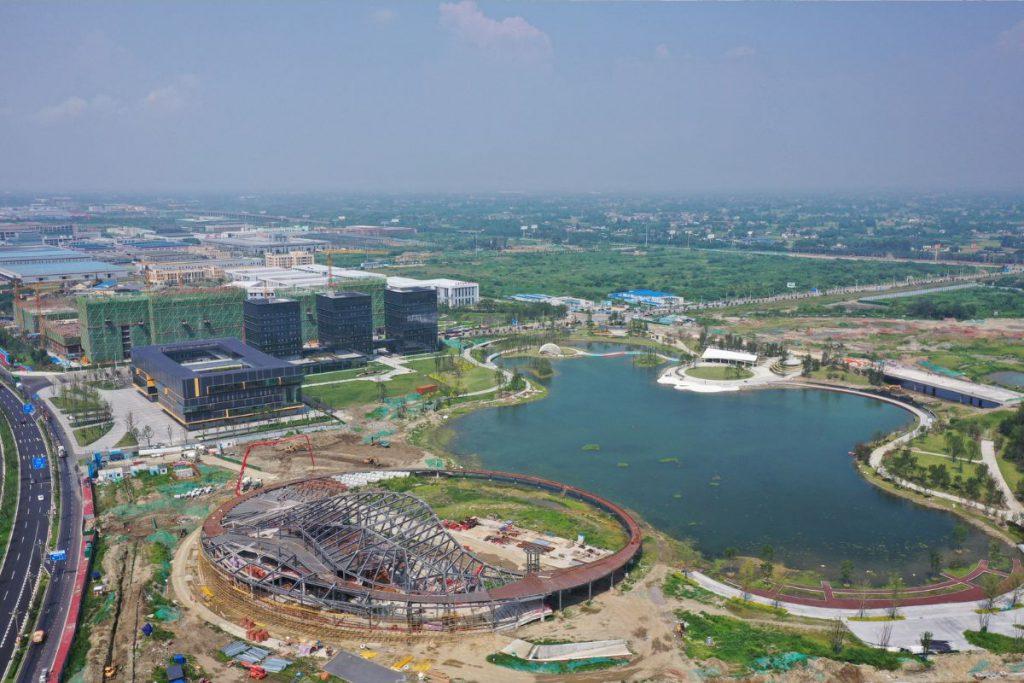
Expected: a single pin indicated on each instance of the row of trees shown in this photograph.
(980, 486)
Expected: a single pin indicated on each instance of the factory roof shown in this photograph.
(961, 386)
(40, 255)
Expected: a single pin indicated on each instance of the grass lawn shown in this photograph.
(86, 435)
(968, 470)
(981, 357)
(372, 368)
(840, 376)
(747, 646)
(1011, 474)
(473, 377)
(127, 440)
(719, 372)
(529, 508)
(10, 466)
(361, 392)
(933, 442)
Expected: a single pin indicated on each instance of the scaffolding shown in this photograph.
(30, 313)
(306, 296)
(112, 325)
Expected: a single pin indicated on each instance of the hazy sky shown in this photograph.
(422, 96)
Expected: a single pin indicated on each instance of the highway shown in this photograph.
(25, 557)
(22, 563)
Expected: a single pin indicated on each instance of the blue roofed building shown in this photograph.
(216, 382)
(46, 265)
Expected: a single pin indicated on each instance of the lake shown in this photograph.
(741, 469)
(1010, 378)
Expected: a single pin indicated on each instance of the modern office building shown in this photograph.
(345, 321)
(410, 319)
(451, 293)
(216, 382)
(273, 326)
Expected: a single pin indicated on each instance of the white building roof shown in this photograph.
(398, 281)
(984, 391)
(726, 355)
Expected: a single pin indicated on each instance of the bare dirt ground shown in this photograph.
(334, 451)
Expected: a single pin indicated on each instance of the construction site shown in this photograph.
(333, 556)
(112, 325)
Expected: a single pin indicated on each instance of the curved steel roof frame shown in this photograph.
(384, 539)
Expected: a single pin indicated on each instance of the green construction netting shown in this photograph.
(105, 609)
(166, 614)
(162, 537)
(783, 662)
(590, 664)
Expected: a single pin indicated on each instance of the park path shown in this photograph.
(988, 456)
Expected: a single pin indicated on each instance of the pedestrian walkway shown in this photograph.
(946, 621)
(988, 456)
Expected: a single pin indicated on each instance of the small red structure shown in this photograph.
(272, 442)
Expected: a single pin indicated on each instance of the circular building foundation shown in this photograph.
(316, 553)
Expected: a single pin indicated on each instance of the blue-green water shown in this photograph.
(1010, 378)
(754, 468)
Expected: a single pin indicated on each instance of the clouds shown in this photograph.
(173, 97)
(509, 37)
(1012, 39)
(75, 107)
(383, 16)
(740, 52)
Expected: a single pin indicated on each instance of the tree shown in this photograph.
(995, 553)
(836, 635)
(991, 587)
(1015, 582)
(959, 536)
(885, 635)
(935, 562)
(895, 595)
(147, 434)
(747, 577)
(778, 584)
(926, 642)
(170, 435)
(846, 572)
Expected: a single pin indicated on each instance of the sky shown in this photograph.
(470, 96)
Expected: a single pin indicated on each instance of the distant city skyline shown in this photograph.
(472, 96)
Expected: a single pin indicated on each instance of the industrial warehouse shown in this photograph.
(318, 556)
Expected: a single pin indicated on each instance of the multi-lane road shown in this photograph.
(26, 556)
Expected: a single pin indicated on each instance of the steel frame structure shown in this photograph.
(303, 552)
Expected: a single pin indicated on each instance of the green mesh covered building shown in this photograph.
(112, 325)
(307, 301)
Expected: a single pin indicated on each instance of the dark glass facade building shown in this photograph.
(273, 326)
(410, 319)
(216, 382)
(345, 321)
